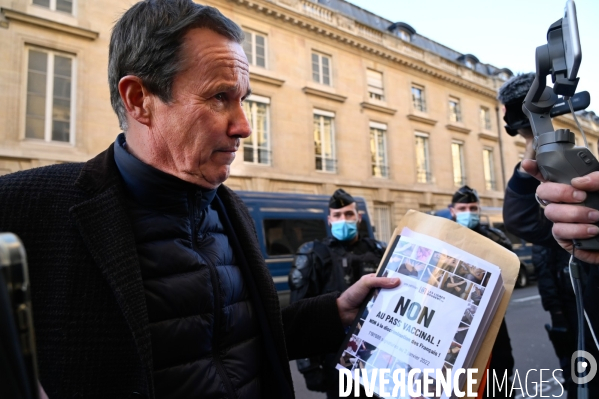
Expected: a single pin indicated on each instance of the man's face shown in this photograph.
(473, 207)
(349, 213)
(196, 135)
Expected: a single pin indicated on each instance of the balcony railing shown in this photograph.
(460, 181)
(491, 184)
(326, 164)
(380, 170)
(256, 155)
(424, 176)
(316, 11)
(419, 104)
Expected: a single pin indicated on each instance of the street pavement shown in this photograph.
(531, 349)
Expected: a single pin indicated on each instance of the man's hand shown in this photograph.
(351, 299)
(570, 221)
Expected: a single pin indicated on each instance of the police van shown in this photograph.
(286, 221)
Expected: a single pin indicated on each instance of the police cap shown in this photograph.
(340, 198)
(465, 195)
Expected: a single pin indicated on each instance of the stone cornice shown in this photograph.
(12, 15)
(520, 144)
(258, 77)
(457, 128)
(422, 119)
(369, 40)
(378, 108)
(324, 94)
(488, 137)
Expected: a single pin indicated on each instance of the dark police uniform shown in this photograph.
(324, 266)
(331, 265)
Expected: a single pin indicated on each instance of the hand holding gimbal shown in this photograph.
(558, 158)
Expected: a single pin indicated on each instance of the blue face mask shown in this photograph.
(468, 219)
(344, 230)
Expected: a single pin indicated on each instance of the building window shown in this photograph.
(489, 169)
(455, 113)
(378, 149)
(254, 46)
(503, 76)
(256, 148)
(49, 113)
(457, 157)
(382, 222)
(324, 141)
(321, 69)
(404, 35)
(56, 5)
(485, 118)
(375, 84)
(418, 98)
(423, 171)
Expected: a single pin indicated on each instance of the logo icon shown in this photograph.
(583, 364)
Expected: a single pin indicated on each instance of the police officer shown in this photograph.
(328, 265)
(465, 210)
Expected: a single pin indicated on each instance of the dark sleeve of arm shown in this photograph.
(303, 276)
(312, 326)
(522, 214)
(542, 259)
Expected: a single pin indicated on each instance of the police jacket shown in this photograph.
(494, 235)
(89, 303)
(329, 265)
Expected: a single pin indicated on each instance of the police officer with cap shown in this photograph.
(465, 210)
(329, 265)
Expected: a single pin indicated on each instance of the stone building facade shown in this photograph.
(341, 98)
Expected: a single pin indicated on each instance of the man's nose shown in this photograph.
(239, 125)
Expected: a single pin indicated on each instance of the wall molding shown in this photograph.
(324, 94)
(378, 108)
(422, 119)
(12, 15)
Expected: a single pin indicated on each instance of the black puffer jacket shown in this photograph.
(200, 315)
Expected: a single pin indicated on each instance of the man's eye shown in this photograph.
(220, 96)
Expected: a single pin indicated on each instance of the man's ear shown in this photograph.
(135, 98)
(452, 211)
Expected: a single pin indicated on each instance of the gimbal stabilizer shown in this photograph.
(558, 159)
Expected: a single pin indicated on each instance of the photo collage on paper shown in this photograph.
(447, 273)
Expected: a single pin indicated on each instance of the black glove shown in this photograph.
(313, 374)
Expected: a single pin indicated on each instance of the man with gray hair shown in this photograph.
(146, 274)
